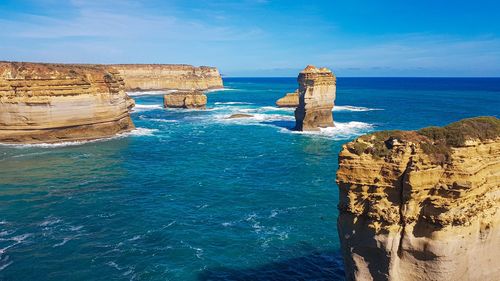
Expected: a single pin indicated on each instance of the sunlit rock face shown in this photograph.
(422, 205)
(61, 102)
(289, 100)
(147, 77)
(317, 87)
(185, 99)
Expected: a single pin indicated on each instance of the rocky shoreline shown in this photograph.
(49, 103)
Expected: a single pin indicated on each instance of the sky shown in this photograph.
(428, 38)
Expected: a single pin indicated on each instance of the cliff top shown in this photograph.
(314, 69)
(23, 70)
(435, 141)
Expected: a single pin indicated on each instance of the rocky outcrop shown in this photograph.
(289, 100)
(184, 99)
(58, 102)
(239, 115)
(317, 88)
(422, 205)
(147, 77)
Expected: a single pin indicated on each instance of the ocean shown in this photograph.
(191, 195)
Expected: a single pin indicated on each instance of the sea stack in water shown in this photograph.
(149, 77)
(185, 99)
(317, 88)
(59, 102)
(289, 100)
(422, 205)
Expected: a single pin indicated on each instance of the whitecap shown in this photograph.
(219, 90)
(163, 120)
(137, 237)
(275, 108)
(233, 103)
(353, 108)
(2, 267)
(146, 107)
(50, 221)
(141, 132)
(255, 118)
(65, 240)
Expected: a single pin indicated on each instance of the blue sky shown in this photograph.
(261, 37)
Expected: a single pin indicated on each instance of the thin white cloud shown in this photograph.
(125, 20)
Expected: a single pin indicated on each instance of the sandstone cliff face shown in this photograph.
(146, 77)
(56, 102)
(317, 87)
(289, 100)
(192, 100)
(422, 205)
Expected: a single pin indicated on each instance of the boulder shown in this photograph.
(239, 115)
(185, 99)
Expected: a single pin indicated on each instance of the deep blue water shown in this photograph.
(191, 195)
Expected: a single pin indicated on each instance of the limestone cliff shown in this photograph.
(184, 99)
(58, 102)
(146, 77)
(317, 88)
(289, 100)
(422, 205)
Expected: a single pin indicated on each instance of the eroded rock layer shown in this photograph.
(147, 77)
(422, 205)
(317, 88)
(289, 100)
(57, 102)
(185, 99)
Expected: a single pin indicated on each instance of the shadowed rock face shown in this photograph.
(192, 100)
(147, 77)
(289, 100)
(317, 88)
(58, 102)
(422, 205)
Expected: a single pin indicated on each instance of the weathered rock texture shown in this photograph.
(317, 88)
(56, 102)
(422, 205)
(289, 100)
(147, 77)
(193, 100)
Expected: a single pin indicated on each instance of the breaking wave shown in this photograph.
(150, 93)
(341, 131)
(353, 108)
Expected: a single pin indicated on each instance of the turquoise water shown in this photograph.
(190, 195)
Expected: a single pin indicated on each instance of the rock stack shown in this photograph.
(185, 99)
(422, 205)
(289, 100)
(317, 88)
(61, 102)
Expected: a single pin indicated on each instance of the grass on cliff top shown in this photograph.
(434, 141)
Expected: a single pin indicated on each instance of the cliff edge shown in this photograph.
(148, 77)
(61, 102)
(422, 205)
